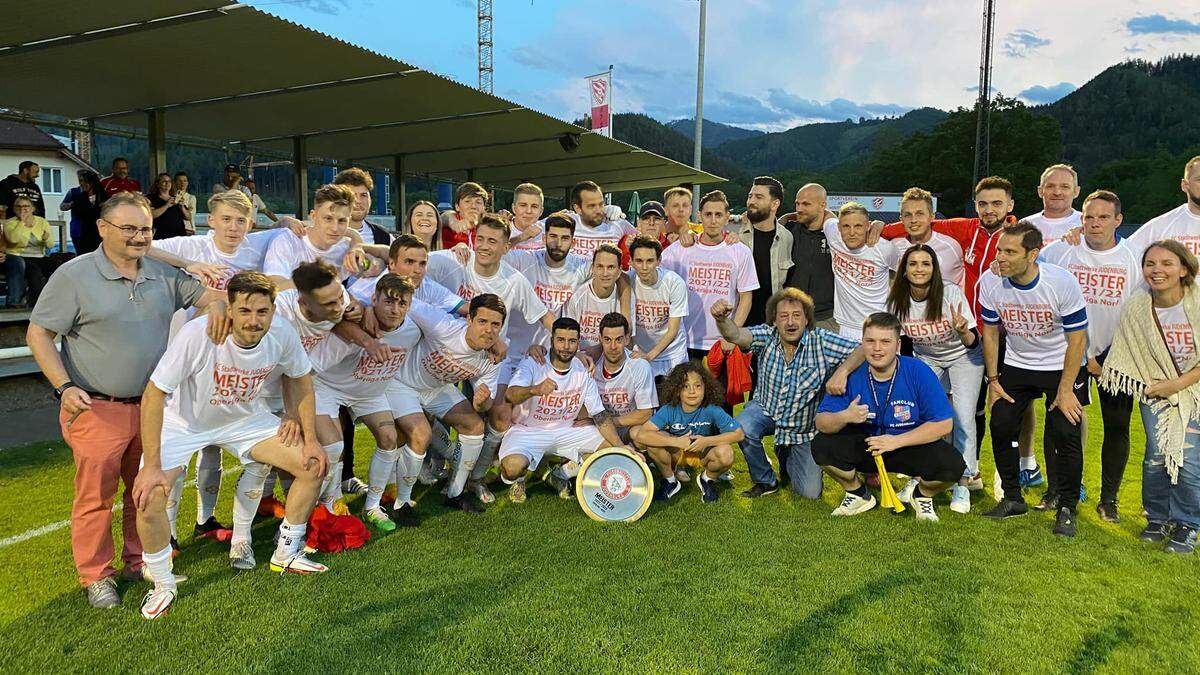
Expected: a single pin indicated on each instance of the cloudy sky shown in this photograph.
(770, 64)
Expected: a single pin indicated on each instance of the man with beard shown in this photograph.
(547, 398)
(362, 185)
(587, 201)
(1181, 224)
(812, 269)
(770, 244)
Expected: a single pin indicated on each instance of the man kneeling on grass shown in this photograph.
(690, 429)
(893, 406)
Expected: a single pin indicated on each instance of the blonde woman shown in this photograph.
(26, 240)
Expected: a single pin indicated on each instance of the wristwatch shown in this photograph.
(59, 391)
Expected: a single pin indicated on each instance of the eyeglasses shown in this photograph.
(130, 231)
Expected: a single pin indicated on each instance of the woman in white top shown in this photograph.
(936, 317)
(1153, 358)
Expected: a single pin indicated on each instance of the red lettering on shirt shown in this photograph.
(852, 269)
(651, 314)
(369, 370)
(554, 296)
(710, 278)
(557, 406)
(308, 342)
(445, 368)
(1100, 285)
(585, 247)
(1027, 321)
(617, 400)
(233, 385)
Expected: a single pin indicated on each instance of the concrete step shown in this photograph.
(13, 323)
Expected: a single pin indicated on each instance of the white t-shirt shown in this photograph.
(1179, 224)
(553, 285)
(348, 368)
(861, 280)
(534, 243)
(1106, 279)
(287, 251)
(201, 248)
(949, 256)
(443, 357)
(558, 409)
(712, 273)
(631, 388)
(588, 309)
(312, 333)
(588, 239)
(1054, 229)
(257, 205)
(1179, 334)
(429, 292)
(210, 387)
(937, 340)
(653, 307)
(1036, 317)
(508, 283)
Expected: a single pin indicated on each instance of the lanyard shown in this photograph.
(879, 416)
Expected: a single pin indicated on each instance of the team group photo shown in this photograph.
(431, 381)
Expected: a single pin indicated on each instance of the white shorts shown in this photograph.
(179, 444)
(571, 443)
(404, 400)
(330, 399)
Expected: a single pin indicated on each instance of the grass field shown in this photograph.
(769, 585)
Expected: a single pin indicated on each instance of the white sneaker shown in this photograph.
(906, 495)
(852, 505)
(975, 483)
(923, 507)
(157, 603)
(960, 499)
(997, 488)
(241, 556)
(298, 563)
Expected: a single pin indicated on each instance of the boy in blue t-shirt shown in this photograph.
(690, 428)
(893, 406)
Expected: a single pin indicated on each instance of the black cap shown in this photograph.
(652, 208)
(231, 167)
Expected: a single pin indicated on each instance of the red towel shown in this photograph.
(331, 533)
(737, 368)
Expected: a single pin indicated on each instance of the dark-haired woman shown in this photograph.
(938, 320)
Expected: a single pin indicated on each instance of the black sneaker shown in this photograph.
(213, 530)
(761, 489)
(708, 489)
(406, 516)
(1108, 512)
(1183, 540)
(1064, 523)
(1049, 502)
(667, 489)
(1007, 508)
(1155, 532)
(174, 547)
(466, 502)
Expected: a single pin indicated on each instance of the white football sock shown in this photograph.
(383, 466)
(246, 497)
(487, 455)
(1029, 463)
(173, 502)
(159, 566)
(407, 469)
(331, 487)
(291, 539)
(208, 483)
(468, 459)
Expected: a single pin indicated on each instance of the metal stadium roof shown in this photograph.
(345, 102)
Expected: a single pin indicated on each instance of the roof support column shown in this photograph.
(156, 137)
(300, 162)
(399, 192)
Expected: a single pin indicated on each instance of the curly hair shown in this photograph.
(675, 380)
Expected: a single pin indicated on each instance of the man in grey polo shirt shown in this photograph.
(113, 310)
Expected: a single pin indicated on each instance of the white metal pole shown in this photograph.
(699, 107)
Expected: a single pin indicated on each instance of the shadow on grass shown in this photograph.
(1095, 650)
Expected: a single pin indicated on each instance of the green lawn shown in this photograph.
(773, 584)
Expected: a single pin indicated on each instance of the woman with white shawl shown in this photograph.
(1154, 358)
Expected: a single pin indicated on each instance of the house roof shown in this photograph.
(22, 136)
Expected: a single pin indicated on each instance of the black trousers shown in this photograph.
(347, 423)
(1114, 453)
(847, 450)
(1064, 464)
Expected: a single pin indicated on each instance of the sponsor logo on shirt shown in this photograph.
(1027, 321)
(1100, 285)
(901, 412)
(233, 385)
(708, 277)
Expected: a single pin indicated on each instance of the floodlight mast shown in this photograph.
(484, 16)
(983, 104)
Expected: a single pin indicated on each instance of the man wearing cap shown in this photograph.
(651, 222)
(232, 181)
(112, 308)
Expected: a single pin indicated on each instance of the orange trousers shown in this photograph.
(107, 446)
